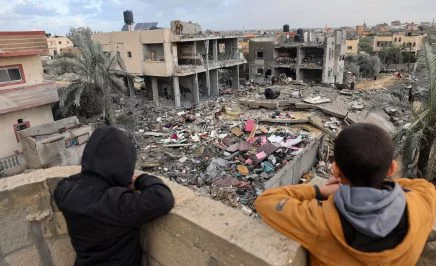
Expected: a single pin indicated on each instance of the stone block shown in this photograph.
(24, 257)
(61, 251)
(170, 249)
(15, 231)
(223, 233)
(55, 226)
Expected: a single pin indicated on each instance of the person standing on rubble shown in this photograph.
(411, 97)
(105, 205)
(353, 81)
(360, 217)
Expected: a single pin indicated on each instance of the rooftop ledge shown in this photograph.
(198, 231)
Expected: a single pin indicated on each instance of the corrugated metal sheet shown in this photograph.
(23, 43)
(27, 97)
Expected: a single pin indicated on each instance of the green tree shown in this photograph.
(97, 76)
(363, 65)
(365, 45)
(417, 141)
(390, 56)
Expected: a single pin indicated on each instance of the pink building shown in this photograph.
(25, 97)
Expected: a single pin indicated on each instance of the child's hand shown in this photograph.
(132, 185)
(333, 180)
(328, 189)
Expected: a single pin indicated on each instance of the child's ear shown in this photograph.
(337, 172)
(392, 169)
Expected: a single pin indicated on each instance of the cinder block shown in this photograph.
(62, 252)
(24, 257)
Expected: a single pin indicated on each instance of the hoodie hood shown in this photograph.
(109, 155)
(374, 212)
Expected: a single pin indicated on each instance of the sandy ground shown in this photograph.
(383, 81)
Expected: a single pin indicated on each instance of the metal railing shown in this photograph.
(9, 162)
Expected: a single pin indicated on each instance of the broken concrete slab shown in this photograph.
(334, 110)
(317, 100)
(372, 118)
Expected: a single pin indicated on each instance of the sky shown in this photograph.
(58, 16)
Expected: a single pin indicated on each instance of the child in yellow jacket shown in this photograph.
(358, 218)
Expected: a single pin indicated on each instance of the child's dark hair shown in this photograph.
(364, 153)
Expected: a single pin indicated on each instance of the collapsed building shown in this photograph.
(301, 58)
(179, 63)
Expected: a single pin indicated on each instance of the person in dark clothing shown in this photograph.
(411, 97)
(105, 204)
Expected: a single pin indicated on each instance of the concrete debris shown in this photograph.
(357, 105)
(317, 100)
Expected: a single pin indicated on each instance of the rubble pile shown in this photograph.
(222, 152)
(227, 148)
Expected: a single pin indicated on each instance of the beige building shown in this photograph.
(176, 66)
(352, 47)
(58, 44)
(25, 97)
(408, 43)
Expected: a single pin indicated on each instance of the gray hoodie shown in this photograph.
(374, 212)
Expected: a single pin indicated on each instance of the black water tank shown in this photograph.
(286, 28)
(300, 32)
(298, 38)
(128, 17)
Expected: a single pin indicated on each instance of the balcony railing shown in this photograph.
(9, 162)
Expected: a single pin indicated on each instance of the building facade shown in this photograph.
(320, 62)
(174, 66)
(25, 97)
(352, 46)
(407, 43)
(58, 45)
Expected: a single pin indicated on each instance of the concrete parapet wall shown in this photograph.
(198, 231)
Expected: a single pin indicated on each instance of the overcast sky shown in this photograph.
(57, 16)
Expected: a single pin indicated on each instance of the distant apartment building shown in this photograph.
(25, 97)
(384, 27)
(396, 23)
(412, 26)
(58, 45)
(320, 62)
(362, 30)
(177, 63)
(352, 46)
(408, 43)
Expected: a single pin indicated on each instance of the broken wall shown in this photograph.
(258, 66)
(186, 28)
(59, 143)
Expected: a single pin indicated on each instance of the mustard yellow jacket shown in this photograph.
(294, 211)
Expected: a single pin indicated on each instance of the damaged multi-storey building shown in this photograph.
(301, 58)
(180, 63)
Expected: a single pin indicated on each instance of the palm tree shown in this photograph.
(417, 141)
(97, 72)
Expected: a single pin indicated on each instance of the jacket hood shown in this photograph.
(374, 212)
(109, 155)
